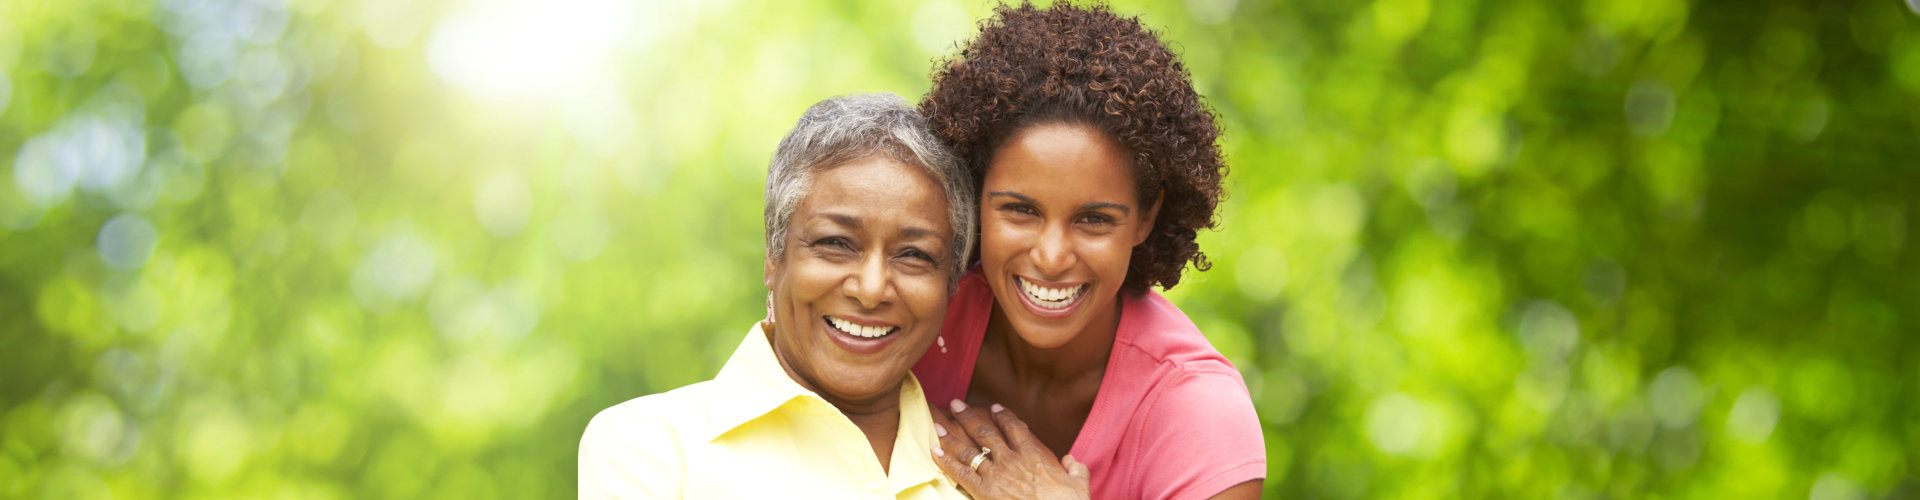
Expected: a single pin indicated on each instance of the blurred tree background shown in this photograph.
(1502, 248)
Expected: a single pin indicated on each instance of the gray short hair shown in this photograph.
(851, 127)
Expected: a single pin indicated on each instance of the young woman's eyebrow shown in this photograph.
(1124, 210)
(1014, 195)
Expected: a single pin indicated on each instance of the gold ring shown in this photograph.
(982, 457)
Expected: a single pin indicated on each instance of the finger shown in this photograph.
(1016, 433)
(952, 439)
(980, 427)
(951, 463)
(1077, 470)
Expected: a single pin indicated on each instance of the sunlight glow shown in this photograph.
(528, 49)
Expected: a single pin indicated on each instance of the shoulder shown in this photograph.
(1195, 431)
(637, 448)
(1170, 361)
(672, 411)
(1198, 435)
(1200, 392)
(1155, 330)
(1190, 381)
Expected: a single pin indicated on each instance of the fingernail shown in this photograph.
(959, 406)
(938, 452)
(996, 408)
(940, 430)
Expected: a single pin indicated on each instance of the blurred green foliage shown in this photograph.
(1501, 248)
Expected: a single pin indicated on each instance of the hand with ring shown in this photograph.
(992, 454)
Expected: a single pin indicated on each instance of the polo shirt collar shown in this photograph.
(915, 437)
(757, 386)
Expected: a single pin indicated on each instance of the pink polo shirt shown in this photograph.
(1172, 418)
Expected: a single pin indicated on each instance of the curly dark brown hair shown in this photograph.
(1085, 65)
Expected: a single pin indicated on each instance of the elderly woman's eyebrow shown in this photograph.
(917, 232)
(852, 222)
(848, 221)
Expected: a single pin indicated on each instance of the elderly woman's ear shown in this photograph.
(767, 273)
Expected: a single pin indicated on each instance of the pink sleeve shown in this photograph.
(1200, 436)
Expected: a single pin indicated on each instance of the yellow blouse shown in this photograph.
(752, 432)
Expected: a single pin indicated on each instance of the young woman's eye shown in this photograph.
(1020, 208)
(1101, 219)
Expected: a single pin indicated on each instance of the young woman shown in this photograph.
(1096, 164)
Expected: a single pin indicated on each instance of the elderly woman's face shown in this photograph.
(862, 289)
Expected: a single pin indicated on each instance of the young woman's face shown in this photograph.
(862, 288)
(1059, 218)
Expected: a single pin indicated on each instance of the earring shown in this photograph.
(942, 340)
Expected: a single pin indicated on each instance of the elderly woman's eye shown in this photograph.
(832, 242)
(917, 260)
(915, 253)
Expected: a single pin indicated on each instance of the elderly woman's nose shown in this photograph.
(868, 286)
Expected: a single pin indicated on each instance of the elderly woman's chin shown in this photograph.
(856, 377)
(861, 289)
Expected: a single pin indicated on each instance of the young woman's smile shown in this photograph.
(1050, 299)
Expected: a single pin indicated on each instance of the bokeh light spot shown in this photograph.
(1395, 423)
(939, 25)
(1548, 331)
(126, 241)
(581, 232)
(328, 217)
(502, 202)
(44, 171)
(1212, 11)
(206, 130)
(1836, 486)
(1650, 108)
(213, 441)
(93, 427)
(1753, 416)
(1676, 397)
(395, 271)
(1261, 273)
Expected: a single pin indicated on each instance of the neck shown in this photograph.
(1085, 355)
(877, 417)
(880, 424)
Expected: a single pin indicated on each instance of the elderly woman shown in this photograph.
(1096, 164)
(868, 219)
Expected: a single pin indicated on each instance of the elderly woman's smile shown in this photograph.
(862, 287)
(865, 331)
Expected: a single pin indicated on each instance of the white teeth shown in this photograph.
(859, 330)
(1049, 298)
